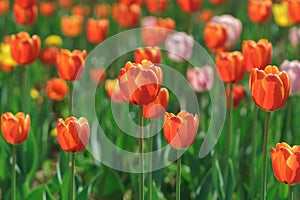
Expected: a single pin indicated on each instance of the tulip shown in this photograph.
(238, 93)
(73, 134)
(140, 83)
(200, 78)
(281, 15)
(149, 53)
(96, 30)
(180, 131)
(126, 16)
(157, 107)
(190, 6)
(269, 87)
(130, 2)
(156, 30)
(205, 15)
(53, 40)
(65, 4)
(47, 8)
(71, 26)
(25, 16)
(24, 49)
(81, 10)
(293, 10)
(4, 6)
(230, 66)
(179, 46)
(259, 11)
(70, 65)
(215, 36)
(286, 163)
(56, 89)
(257, 55)
(26, 3)
(294, 36)
(97, 75)
(217, 1)
(48, 55)
(156, 6)
(292, 68)
(102, 10)
(15, 128)
(113, 91)
(7, 63)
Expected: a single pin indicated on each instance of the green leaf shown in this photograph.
(65, 187)
(37, 193)
(230, 181)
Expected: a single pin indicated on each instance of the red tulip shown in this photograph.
(65, 4)
(47, 8)
(126, 16)
(24, 49)
(102, 10)
(81, 10)
(149, 53)
(157, 108)
(25, 16)
(96, 30)
(286, 163)
(130, 2)
(73, 134)
(26, 3)
(70, 65)
(15, 128)
(113, 91)
(259, 11)
(294, 8)
(140, 83)
(56, 89)
(190, 6)
(269, 87)
(71, 26)
(215, 36)
(48, 55)
(157, 6)
(180, 131)
(4, 6)
(238, 93)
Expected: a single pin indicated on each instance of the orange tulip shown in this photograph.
(230, 66)
(97, 75)
(190, 6)
(140, 83)
(15, 128)
(205, 15)
(47, 8)
(26, 3)
(286, 163)
(269, 87)
(217, 1)
(215, 36)
(180, 131)
(48, 55)
(156, 6)
(4, 6)
(56, 89)
(126, 16)
(257, 55)
(25, 49)
(71, 26)
(81, 10)
(238, 93)
(259, 11)
(294, 10)
(157, 108)
(73, 134)
(102, 10)
(149, 53)
(70, 65)
(96, 30)
(130, 2)
(25, 16)
(65, 4)
(113, 91)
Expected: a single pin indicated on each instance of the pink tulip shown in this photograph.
(234, 29)
(292, 68)
(179, 46)
(294, 36)
(200, 78)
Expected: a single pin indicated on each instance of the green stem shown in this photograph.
(141, 176)
(178, 178)
(190, 26)
(150, 165)
(253, 155)
(72, 176)
(291, 192)
(13, 169)
(230, 113)
(264, 161)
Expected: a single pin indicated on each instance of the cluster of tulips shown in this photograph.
(139, 82)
